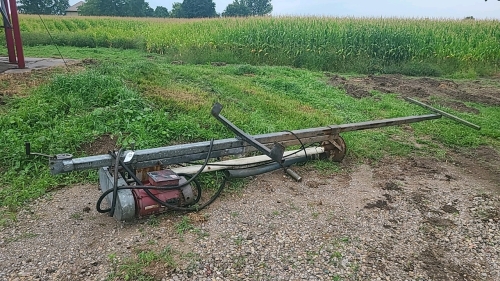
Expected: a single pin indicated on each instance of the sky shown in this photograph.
(457, 9)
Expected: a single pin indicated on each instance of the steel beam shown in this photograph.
(9, 37)
(17, 34)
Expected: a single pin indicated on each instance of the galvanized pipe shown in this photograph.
(453, 117)
(196, 151)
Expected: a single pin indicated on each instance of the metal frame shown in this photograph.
(197, 151)
(12, 33)
(5, 16)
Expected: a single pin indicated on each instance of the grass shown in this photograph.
(145, 266)
(362, 45)
(20, 237)
(143, 99)
(239, 240)
(76, 216)
(153, 221)
(184, 225)
(324, 166)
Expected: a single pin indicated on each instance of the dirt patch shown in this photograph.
(483, 162)
(450, 209)
(448, 93)
(102, 145)
(20, 84)
(179, 98)
(391, 186)
(439, 222)
(88, 61)
(327, 223)
(438, 269)
(380, 204)
(459, 106)
(352, 89)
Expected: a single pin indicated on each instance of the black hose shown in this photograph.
(156, 199)
(177, 208)
(115, 183)
(302, 147)
(104, 194)
(198, 187)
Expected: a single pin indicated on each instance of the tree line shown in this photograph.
(141, 8)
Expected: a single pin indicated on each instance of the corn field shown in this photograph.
(321, 43)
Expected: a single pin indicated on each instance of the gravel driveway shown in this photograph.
(398, 219)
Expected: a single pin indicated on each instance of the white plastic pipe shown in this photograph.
(228, 164)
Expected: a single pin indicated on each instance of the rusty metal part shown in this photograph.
(335, 149)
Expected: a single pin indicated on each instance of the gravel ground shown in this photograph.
(398, 219)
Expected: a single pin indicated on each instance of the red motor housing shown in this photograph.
(145, 205)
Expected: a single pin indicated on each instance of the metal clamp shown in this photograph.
(276, 153)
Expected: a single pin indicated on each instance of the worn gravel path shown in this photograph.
(399, 219)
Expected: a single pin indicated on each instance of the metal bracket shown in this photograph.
(276, 153)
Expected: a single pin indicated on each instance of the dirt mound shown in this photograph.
(101, 145)
(449, 93)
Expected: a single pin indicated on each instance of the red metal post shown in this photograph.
(8, 36)
(17, 34)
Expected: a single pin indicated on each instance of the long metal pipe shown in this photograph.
(446, 114)
(196, 151)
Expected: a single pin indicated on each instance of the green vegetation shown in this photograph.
(410, 46)
(128, 8)
(142, 98)
(197, 9)
(76, 216)
(245, 8)
(43, 7)
(24, 236)
(184, 225)
(153, 221)
(147, 265)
